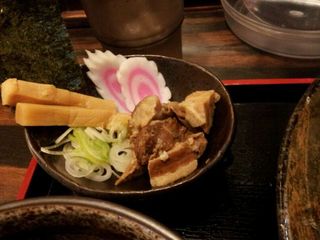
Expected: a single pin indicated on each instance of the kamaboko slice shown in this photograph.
(140, 78)
(103, 67)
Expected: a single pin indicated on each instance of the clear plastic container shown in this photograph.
(284, 27)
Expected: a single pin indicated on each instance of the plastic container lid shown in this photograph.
(284, 27)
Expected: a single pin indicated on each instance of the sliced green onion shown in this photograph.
(94, 150)
(120, 155)
(63, 135)
(101, 173)
(78, 167)
(90, 152)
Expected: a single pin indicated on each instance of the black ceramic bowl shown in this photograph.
(77, 218)
(182, 78)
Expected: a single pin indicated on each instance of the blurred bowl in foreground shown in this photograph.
(77, 218)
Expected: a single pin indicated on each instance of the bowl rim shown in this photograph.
(152, 191)
(100, 205)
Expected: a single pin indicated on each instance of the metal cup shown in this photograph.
(133, 23)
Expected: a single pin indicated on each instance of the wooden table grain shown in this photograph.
(204, 38)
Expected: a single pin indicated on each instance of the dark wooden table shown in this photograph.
(205, 39)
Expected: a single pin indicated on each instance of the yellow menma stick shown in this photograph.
(14, 91)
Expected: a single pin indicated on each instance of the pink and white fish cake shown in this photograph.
(140, 78)
(103, 67)
(125, 80)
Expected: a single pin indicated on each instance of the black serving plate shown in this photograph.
(237, 198)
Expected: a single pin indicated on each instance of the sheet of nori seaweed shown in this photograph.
(35, 46)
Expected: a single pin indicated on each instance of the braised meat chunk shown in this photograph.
(158, 136)
(178, 162)
(167, 139)
(197, 109)
(144, 112)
